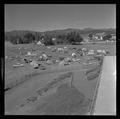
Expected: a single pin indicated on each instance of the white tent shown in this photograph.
(6, 57)
(44, 55)
(91, 52)
(53, 39)
(60, 49)
(34, 63)
(101, 51)
(29, 53)
(84, 49)
(65, 47)
(73, 55)
(61, 63)
(49, 47)
(39, 43)
(18, 65)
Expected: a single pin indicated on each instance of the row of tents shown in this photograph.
(65, 61)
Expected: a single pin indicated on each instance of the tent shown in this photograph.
(34, 64)
(39, 43)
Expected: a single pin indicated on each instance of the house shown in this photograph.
(98, 36)
(113, 37)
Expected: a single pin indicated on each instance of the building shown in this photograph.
(113, 37)
(98, 36)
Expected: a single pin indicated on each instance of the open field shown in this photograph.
(84, 88)
(74, 95)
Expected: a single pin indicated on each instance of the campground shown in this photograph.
(34, 79)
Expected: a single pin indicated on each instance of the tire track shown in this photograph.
(51, 86)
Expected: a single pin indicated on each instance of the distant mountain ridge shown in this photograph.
(81, 31)
(55, 33)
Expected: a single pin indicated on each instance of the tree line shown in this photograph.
(72, 37)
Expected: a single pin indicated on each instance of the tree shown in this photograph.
(74, 37)
(90, 36)
(15, 39)
(48, 40)
(78, 38)
(28, 38)
(107, 37)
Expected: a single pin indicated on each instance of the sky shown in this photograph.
(41, 17)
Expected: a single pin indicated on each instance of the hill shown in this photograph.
(81, 31)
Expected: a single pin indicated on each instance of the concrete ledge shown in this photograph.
(106, 98)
